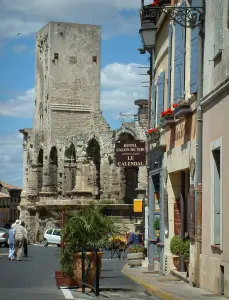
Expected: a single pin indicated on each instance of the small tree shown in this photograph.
(176, 245)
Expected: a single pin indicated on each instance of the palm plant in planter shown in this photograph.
(176, 247)
(87, 228)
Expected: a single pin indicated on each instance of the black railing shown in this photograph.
(90, 279)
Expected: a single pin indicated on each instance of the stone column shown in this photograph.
(46, 178)
(32, 187)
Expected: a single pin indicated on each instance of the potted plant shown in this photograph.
(156, 226)
(186, 253)
(176, 245)
(181, 109)
(167, 118)
(135, 255)
(154, 135)
(87, 228)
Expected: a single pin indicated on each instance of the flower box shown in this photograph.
(168, 121)
(182, 110)
(154, 137)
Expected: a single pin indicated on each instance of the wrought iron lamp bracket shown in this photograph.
(189, 17)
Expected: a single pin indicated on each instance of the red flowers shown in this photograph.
(175, 105)
(152, 130)
(167, 112)
(155, 3)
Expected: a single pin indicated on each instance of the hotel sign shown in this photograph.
(130, 153)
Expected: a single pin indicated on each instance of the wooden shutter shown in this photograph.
(194, 54)
(217, 184)
(219, 26)
(179, 61)
(170, 63)
(160, 98)
(154, 100)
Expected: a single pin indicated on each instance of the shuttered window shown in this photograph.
(216, 192)
(154, 100)
(160, 94)
(194, 54)
(170, 64)
(179, 61)
(219, 26)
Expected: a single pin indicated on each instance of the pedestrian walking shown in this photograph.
(20, 236)
(25, 245)
(11, 242)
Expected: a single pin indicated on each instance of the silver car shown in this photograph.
(3, 236)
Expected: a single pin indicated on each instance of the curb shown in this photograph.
(151, 288)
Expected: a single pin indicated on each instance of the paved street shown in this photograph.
(31, 279)
(34, 278)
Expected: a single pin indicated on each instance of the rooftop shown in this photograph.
(9, 186)
(4, 196)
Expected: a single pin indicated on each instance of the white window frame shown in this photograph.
(218, 144)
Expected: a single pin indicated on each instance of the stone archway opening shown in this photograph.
(40, 159)
(69, 168)
(53, 169)
(93, 154)
(128, 176)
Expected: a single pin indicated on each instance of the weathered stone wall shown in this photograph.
(69, 158)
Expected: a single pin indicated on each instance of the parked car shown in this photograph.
(4, 235)
(52, 236)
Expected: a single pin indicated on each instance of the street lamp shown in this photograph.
(147, 33)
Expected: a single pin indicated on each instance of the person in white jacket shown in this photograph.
(20, 235)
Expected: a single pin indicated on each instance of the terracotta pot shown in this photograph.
(77, 266)
(63, 280)
(187, 267)
(176, 262)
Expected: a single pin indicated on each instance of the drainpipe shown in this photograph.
(198, 175)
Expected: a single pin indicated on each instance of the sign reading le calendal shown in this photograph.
(130, 153)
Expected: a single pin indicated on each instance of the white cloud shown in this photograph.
(11, 155)
(19, 106)
(19, 48)
(28, 16)
(121, 86)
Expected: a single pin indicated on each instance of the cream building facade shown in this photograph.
(214, 265)
(176, 82)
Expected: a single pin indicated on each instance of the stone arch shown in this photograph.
(69, 168)
(53, 168)
(124, 131)
(40, 163)
(128, 175)
(94, 172)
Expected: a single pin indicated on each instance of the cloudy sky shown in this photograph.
(121, 82)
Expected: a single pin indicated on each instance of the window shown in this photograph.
(216, 192)
(218, 26)
(56, 232)
(49, 231)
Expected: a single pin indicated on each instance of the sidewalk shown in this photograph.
(167, 287)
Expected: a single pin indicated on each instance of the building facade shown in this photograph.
(69, 153)
(214, 259)
(174, 107)
(9, 203)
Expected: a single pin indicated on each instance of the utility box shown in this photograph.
(138, 205)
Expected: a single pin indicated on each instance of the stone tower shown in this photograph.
(67, 78)
(69, 153)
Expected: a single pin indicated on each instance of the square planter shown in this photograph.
(135, 259)
(64, 281)
(168, 121)
(182, 111)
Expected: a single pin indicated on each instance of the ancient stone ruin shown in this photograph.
(69, 152)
